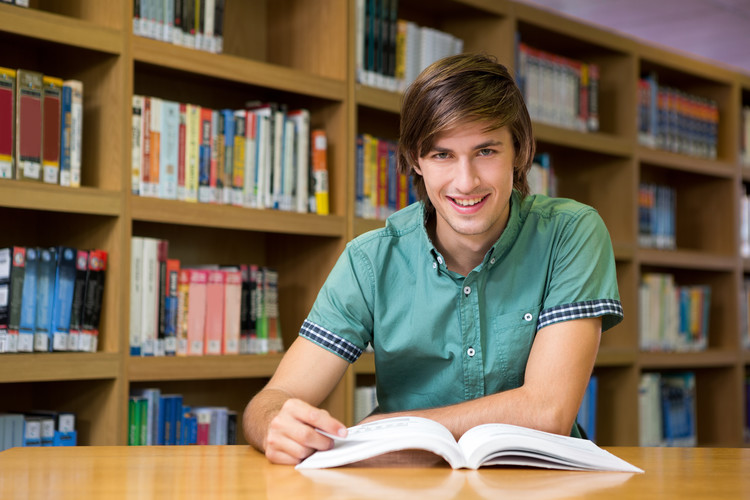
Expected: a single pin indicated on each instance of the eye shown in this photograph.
(440, 156)
(485, 152)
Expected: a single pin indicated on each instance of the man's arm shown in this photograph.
(281, 419)
(559, 366)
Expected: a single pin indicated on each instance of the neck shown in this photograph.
(461, 254)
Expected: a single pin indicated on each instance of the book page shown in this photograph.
(385, 436)
(503, 444)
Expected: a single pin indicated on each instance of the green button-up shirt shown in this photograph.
(441, 338)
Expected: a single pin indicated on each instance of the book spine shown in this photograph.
(183, 290)
(155, 125)
(17, 276)
(192, 151)
(29, 128)
(181, 152)
(76, 130)
(320, 171)
(227, 154)
(63, 297)
(150, 297)
(162, 255)
(214, 312)
(171, 307)
(232, 312)
(6, 255)
(51, 129)
(7, 122)
(27, 321)
(136, 294)
(196, 312)
(169, 149)
(205, 193)
(240, 152)
(45, 299)
(76, 308)
(92, 301)
(136, 144)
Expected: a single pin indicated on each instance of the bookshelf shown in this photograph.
(302, 53)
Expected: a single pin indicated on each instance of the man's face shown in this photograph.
(468, 176)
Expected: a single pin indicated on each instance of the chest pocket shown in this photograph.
(510, 343)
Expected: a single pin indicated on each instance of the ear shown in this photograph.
(416, 168)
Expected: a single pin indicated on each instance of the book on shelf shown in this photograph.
(162, 254)
(187, 23)
(232, 311)
(673, 317)
(483, 445)
(37, 428)
(92, 300)
(586, 416)
(169, 149)
(45, 297)
(365, 401)
(379, 190)
(667, 415)
(196, 311)
(319, 183)
(79, 293)
(7, 122)
(214, 330)
(541, 176)
(71, 135)
(12, 274)
(656, 216)
(673, 120)
(52, 128)
(558, 90)
(27, 320)
(29, 125)
(62, 300)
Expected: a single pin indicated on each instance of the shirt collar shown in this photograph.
(498, 249)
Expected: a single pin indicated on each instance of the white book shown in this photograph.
(150, 297)
(301, 119)
(251, 158)
(76, 131)
(288, 167)
(277, 157)
(488, 444)
(136, 294)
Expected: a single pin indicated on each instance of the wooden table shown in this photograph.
(213, 472)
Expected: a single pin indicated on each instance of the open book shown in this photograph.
(488, 444)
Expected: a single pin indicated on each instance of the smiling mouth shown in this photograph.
(468, 202)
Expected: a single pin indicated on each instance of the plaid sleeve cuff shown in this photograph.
(331, 341)
(580, 310)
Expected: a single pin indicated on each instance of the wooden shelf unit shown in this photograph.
(301, 53)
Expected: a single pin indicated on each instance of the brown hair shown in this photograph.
(456, 89)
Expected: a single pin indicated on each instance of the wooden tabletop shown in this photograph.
(212, 472)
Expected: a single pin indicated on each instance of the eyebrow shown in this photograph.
(478, 146)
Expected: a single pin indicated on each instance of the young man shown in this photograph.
(482, 304)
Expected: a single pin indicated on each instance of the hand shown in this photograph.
(292, 434)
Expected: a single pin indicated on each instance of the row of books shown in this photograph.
(155, 418)
(20, 3)
(198, 24)
(745, 311)
(656, 216)
(541, 176)
(192, 311)
(365, 401)
(673, 317)
(676, 121)
(745, 222)
(391, 52)
(380, 190)
(41, 124)
(745, 136)
(558, 90)
(261, 156)
(666, 405)
(37, 428)
(50, 298)
(586, 416)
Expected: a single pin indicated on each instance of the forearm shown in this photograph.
(258, 414)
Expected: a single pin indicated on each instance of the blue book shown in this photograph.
(28, 304)
(205, 192)
(169, 149)
(678, 409)
(62, 300)
(227, 130)
(66, 136)
(152, 396)
(45, 294)
(65, 438)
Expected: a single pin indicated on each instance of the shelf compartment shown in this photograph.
(379, 99)
(58, 366)
(237, 69)
(40, 196)
(685, 163)
(230, 217)
(144, 369)
(686, 259)
(594, 142)
(60, 29)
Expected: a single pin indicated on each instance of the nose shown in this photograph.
(466, 177)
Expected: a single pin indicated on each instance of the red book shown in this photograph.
(181, 190)
(51, 130)
(196, 312)
(214, 312)
(28, 125)
(7, 120)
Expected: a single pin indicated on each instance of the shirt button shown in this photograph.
(492, 260)
(434, 265)
(440, 259)
(467, 290)
(470, 351)
(528, 317)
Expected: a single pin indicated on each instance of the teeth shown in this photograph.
(467, 203)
